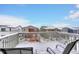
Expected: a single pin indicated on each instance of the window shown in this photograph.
(3, 29)
(31, 30)
(10, 29)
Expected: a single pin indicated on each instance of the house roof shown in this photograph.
(49, 27)
(31, 27)
(7, 26)
(3, 26)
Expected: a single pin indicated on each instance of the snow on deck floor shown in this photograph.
(39, 47)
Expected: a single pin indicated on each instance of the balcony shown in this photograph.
(40, 42)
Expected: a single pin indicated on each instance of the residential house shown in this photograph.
(66, 29)
(49, 28)
(5, 29)
(32, 36)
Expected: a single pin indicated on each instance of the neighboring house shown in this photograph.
(49, 28)
(30, 29)
(31, 36)
(5, 29)
(69, 30)
(76, 29)
(16, 29)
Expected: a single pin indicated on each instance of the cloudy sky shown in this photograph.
(58, 15)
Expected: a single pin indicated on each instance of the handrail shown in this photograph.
(49, 49)
(7, 40)
(36, 33)
(54, 32)
(7, 35)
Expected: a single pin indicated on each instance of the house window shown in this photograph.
(3, 29)
(31, 30)
(10, 29)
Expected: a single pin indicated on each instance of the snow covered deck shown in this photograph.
(41, 47)
(50, 39)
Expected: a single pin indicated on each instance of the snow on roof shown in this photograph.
(50, 27)
(75, 28)
(31, 27)
(3, 25)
